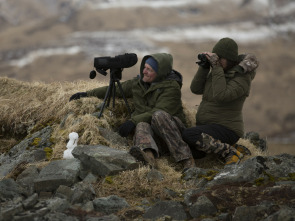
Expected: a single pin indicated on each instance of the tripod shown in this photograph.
(115, 77)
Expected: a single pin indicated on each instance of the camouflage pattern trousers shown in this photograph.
(163, 134)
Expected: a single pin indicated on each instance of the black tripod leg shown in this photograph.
(126, 102)
(112, 85)
(114, 93)
(106, 97)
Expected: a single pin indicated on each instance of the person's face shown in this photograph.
(223, 63)
(149, 75)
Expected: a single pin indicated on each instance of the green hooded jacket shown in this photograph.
(162, 94)
(224, 94)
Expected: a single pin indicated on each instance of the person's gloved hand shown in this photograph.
(126, 128)
(78, 96)
(214, 60)
(249, 63)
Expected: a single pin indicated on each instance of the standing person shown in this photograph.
(224, 81)
(158, 113)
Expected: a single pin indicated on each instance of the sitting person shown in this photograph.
(158, 114)
(224, 82)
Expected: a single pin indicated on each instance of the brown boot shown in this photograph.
(242, 149)
(188, 163)
(146, 157)
(233, 158)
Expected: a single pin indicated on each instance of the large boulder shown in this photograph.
(103, 160)
(56, 173)
(258, 167)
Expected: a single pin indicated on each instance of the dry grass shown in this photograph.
(137, 183)
(28, 107)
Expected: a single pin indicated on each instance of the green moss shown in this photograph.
(109, 180)
(259, 181)
(48, 152)
(264, 180)
(36, 141)
(292, 176)
(209, 175)
(270, 177)
(52, 140)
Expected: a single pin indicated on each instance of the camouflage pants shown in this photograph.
(210, 145)
(167, 128)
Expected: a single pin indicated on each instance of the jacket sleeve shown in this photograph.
(199, 80)
(226, 91)
(168, 100)
(101, 91)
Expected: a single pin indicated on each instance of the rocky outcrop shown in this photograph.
(260, 188)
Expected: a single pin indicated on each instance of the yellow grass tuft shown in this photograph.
(134, 185)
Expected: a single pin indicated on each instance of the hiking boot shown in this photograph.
(188, 163)
(146, 157)
(242, 149)
(233, 158)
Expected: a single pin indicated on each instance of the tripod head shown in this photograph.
(116, 66)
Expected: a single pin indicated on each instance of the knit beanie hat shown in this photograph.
(153, 63)
(226, 48)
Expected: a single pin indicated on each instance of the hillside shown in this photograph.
(104, 182)
(56, 41)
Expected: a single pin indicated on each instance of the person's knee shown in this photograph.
(141, 125)
(159, 116)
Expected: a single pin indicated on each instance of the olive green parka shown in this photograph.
(224, 94)
(162, 94)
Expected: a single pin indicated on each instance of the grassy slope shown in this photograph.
(270, 107)
(27, 107)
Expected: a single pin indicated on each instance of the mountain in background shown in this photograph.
(56, 40)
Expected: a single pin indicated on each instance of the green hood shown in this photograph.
(165, 63)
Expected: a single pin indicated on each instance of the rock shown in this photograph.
(254, 138)
(203, 207)
(64, 192)
(113, 137)
(56, 173)
(90, 178)
(40, 139)
(82, 192)
(88, 206)
(26, 151)
(110, 204)
(166, 208)
(155, 175)
(30, 201)
(8, 213)
(9, 189)
(224, 217)
(103, 161)
(27, 177)
(188, 196)
(194, 173)
(58, 216)
(111, 217)
(284, 213)
(57, 204)
(255, 168)
(258, 212)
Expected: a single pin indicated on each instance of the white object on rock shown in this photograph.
(71, 145)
